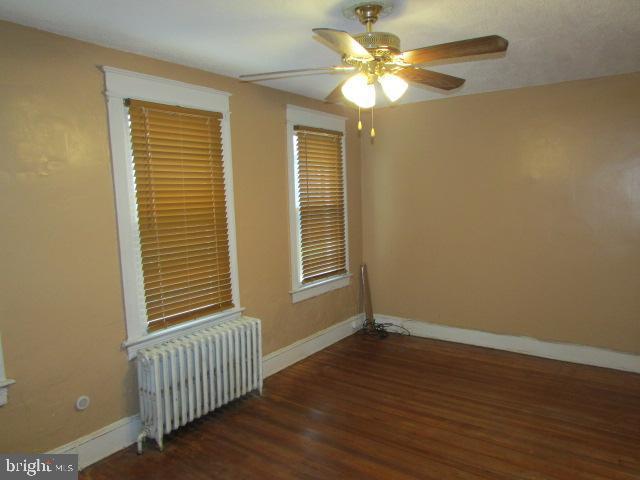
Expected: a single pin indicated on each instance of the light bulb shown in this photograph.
(359, 91)
(393, 86)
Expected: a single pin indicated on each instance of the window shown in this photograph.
(182, 218)
(320, 254)
(174, 199)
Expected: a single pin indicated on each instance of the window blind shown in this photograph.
(182, 215)
(320, 189)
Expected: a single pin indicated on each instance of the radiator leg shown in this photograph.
(160, 445)
(141, 437)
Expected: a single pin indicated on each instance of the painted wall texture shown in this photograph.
(61, 306)
(516, 212)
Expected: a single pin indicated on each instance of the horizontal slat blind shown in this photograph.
(321, 203)
(182, 215)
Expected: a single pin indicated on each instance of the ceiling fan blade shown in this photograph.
(430, 78)
(257, 77)
(336, 94)
(463, 48)
(343, 43)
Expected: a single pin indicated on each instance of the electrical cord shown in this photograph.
(381, 330)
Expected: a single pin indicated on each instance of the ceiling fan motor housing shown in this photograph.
(378, 41)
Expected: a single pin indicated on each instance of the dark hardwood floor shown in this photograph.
(410, 408)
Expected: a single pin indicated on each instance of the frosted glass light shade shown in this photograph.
(359, 91)
(393, 86)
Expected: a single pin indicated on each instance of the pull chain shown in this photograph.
(373, 130)
(359, 121)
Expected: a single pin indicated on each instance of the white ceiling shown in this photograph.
(550, 40)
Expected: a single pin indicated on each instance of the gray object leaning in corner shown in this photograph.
(366, 298)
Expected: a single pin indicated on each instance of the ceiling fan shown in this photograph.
(376, 57)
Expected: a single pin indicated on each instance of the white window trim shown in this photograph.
(122, 84)
(4, 381)
(312, 118)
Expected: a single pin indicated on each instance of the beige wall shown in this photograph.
(515, 212)
(61, 307)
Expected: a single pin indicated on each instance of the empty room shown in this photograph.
(302, 239)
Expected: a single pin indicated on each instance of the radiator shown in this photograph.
(190, 376)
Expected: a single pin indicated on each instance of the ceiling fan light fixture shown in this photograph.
(393, 86)
(359, 91)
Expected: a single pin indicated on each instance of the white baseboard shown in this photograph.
(124, 432)
(567, 352)
(276, 361)
(102, 443)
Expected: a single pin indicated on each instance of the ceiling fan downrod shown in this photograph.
(368, 14)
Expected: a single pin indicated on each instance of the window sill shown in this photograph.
(134, 345)
(4, 389)
(318, 288)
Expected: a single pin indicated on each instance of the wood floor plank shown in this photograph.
(409, 408)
